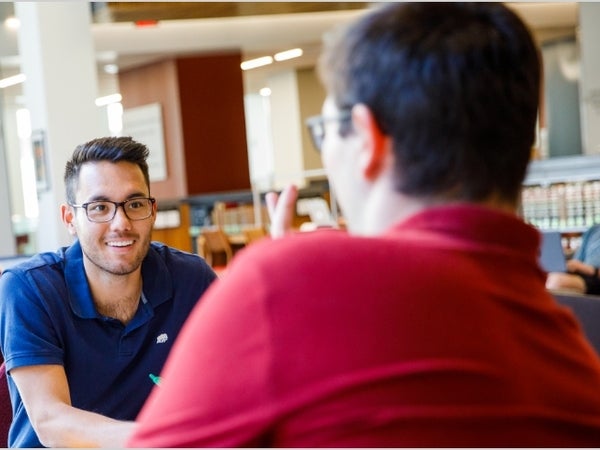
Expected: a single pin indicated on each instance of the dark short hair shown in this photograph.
(456, 85)
(113, 149)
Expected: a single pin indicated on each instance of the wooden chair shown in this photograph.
(214, 246)
(254, 233)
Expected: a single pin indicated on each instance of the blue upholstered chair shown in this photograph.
(587, 310)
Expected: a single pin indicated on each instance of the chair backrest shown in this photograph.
(587, 310)
(5, 407)
(214, 242)
(253, 234)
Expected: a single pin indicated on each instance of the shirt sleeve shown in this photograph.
(214, 390)
(27, 332)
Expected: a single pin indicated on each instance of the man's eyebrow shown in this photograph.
(138, 195)
(97, 198)
(102, 198)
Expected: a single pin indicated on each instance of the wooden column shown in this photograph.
(202, 100)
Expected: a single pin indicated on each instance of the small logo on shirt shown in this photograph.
(162, 338)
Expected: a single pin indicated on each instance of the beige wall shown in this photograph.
(311, 94)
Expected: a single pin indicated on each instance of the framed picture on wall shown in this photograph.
(38, 142)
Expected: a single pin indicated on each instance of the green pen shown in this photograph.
(155, 379)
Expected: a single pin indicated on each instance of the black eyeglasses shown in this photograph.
(316, 126)
(104, 210)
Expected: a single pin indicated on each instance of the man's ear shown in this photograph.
(154, 213)
(374, 142)
(68, 218)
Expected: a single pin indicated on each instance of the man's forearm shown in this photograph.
(72, 427)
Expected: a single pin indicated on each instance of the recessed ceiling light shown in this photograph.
(108, 99)
(257, 62)
(11, 81)
(111, 68)
(288, 54)
(12, 22)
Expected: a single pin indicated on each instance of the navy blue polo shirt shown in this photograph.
(47, 316)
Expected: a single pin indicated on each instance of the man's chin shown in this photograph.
(119, 267)
(123, 269)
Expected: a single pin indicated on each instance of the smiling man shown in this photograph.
(84, 330)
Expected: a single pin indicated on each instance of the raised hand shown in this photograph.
(281, 210)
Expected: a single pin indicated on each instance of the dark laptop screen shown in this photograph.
(552, 256)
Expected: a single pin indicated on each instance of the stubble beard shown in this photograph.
(120, 269)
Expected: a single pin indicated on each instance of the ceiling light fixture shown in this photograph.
(288, 54)
(257, 62)
(111, 69)
(11, 81)
(12, 22)
(108, 99)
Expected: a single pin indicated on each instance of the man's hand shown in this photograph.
(281, 210)
(576, 266)
(47, 400)
(565, 282)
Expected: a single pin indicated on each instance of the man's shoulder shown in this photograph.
(39, 262)
(300, 245)
(172, 255)
(43, 272)
(176, 261)
(168, 270)
(593, 230)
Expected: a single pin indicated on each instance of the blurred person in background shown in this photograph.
(582, 269)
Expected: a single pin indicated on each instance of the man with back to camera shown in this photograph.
(84, 330)
(428, 324)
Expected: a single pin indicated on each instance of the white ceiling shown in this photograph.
(252, 35)
(128, 46)
(268, 33)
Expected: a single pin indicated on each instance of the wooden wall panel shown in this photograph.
(213, 121)
(178, 237)
(204, 128)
